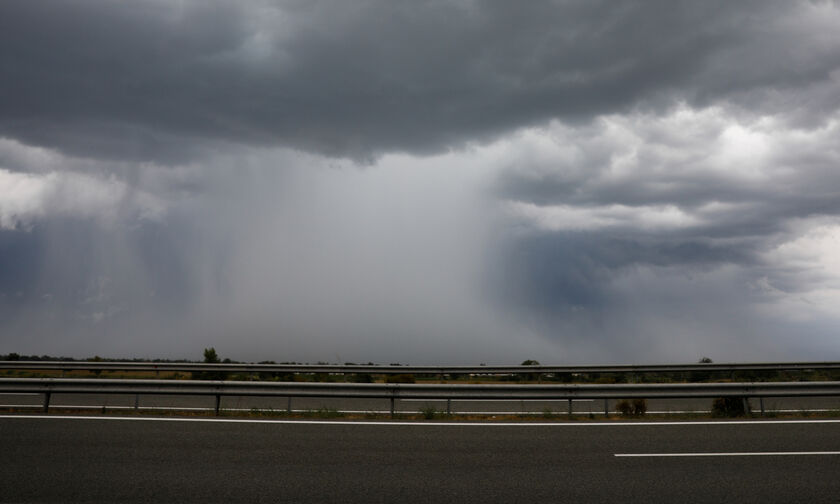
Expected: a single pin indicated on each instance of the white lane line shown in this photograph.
(279, 410)
(564, 401)
(399, 423)
(725, 454)
(557, 413)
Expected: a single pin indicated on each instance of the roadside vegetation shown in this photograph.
(423, 414)
(632, 407)
(211, 356)
(728, 407)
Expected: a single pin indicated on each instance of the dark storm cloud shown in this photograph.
(162, 80)
(568, 180)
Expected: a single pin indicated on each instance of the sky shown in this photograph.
(423, 182)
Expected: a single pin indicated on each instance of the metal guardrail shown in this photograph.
(392, 391)
(420, 370)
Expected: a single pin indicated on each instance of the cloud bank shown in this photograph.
(452, 182)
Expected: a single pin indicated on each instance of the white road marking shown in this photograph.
(397, 423)
(557, 413)
(564, 401)
(725, 454)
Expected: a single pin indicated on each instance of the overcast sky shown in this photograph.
(422, 182)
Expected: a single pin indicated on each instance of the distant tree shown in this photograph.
(530, 376)
(700, 376)
(210, 356)
(13, 356)
(96, 358)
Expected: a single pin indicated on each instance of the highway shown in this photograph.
(140, 459)
(152, 403)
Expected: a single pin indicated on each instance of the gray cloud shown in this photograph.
(156, 80)
(702, 173)
(284, 257)
(631, 222)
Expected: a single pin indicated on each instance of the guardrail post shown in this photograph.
(392, 406)
(448, 406)
(289, 405)
(47, 401)
(606, 407)
(136, 402)
(761, 405)
(218, 403)
(570, 406)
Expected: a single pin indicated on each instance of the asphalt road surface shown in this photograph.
(59, 459)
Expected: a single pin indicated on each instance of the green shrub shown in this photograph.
(429, 412)
(323, 412)
(728, 407)
(636, 407)
(360, 378)
(624, 407)
(400, 378)
(639, 406)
